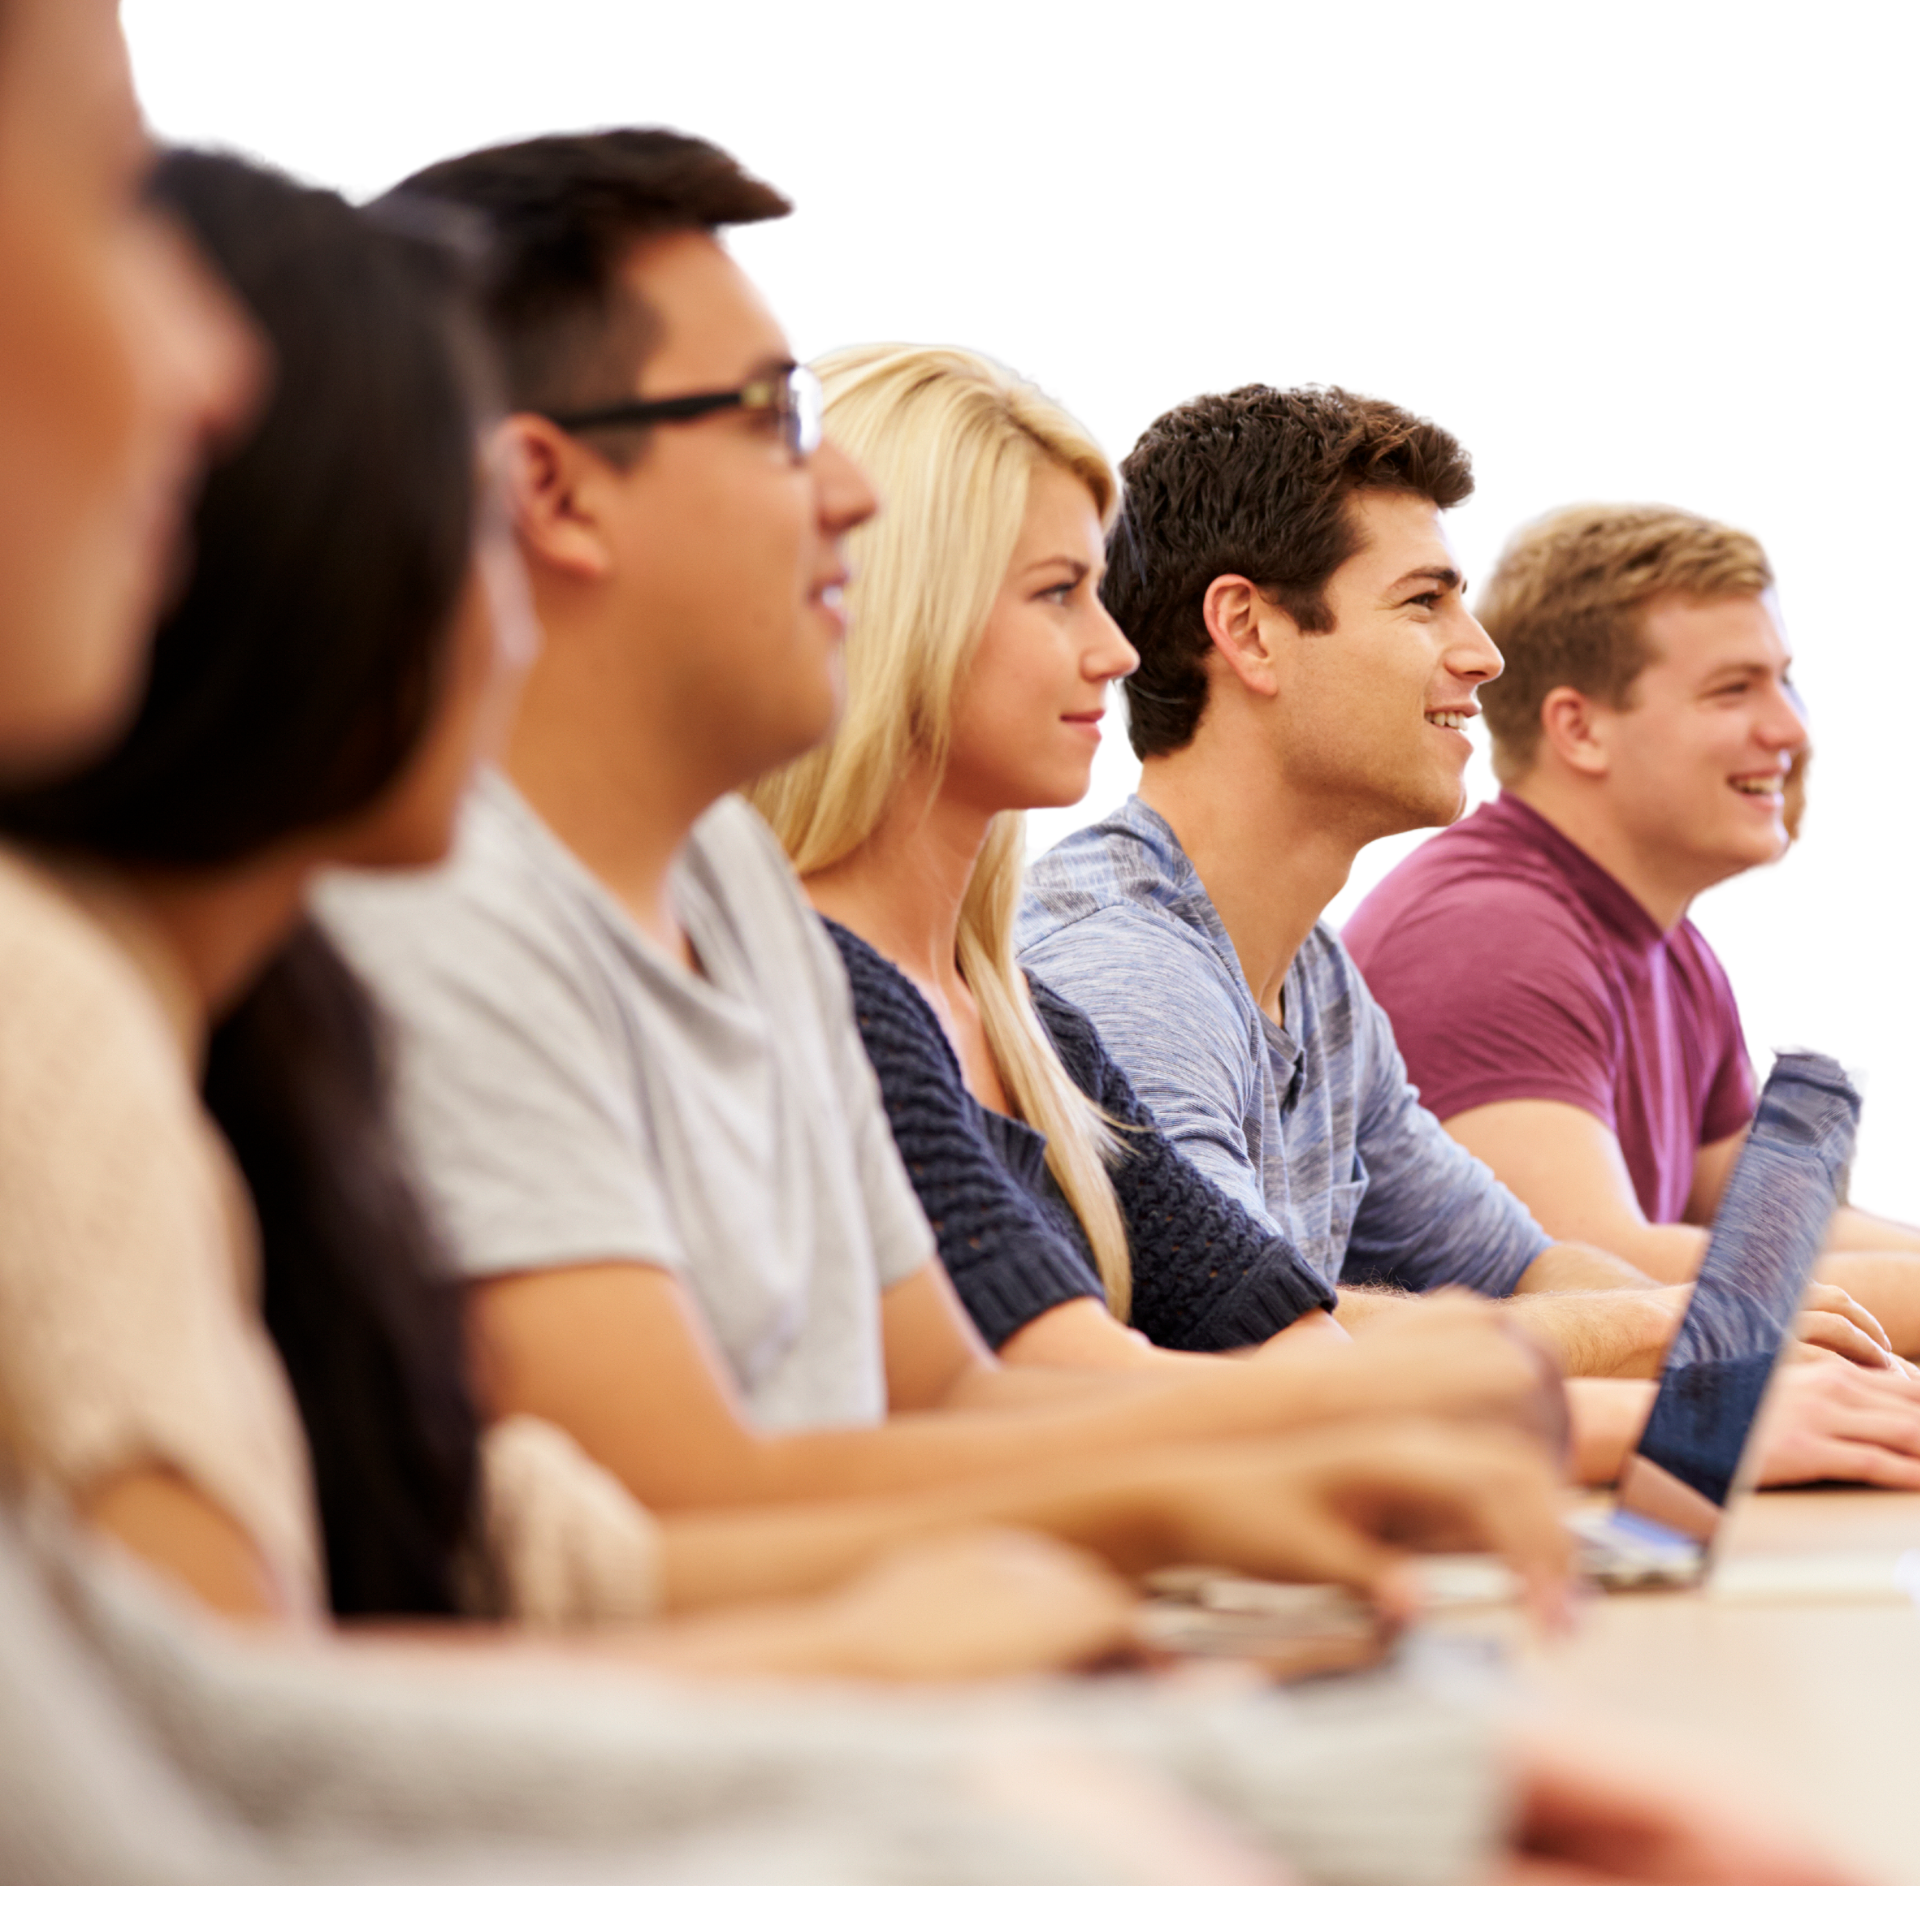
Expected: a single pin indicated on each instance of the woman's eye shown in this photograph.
(1059, 594)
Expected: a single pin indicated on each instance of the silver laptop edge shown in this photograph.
(1662, 1530)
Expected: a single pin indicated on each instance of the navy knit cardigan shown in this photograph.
(1207, 1275)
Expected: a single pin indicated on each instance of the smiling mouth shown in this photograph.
(1765, 785)
(1451, 717)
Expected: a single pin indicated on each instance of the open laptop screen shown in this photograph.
(1766, 1237)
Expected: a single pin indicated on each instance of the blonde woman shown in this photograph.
(978, 663)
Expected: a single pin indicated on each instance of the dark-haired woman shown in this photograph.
(318, 692)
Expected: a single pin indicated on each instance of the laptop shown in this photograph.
(1692, 1457)
(1695, 1453)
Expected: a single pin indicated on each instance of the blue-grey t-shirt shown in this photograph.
(1314, 1122)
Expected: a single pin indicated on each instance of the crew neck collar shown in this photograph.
(1595, 885)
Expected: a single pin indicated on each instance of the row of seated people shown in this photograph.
(597, 1239)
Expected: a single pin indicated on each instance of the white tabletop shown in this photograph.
(1819, 1700)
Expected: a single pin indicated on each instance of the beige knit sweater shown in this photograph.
(130, 1331)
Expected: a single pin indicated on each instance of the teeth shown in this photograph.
(1767, 783)
(1454, 720)
(830, 596)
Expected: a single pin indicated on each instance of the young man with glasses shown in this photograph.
(628, 1067)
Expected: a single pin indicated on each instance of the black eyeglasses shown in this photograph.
(792, 396)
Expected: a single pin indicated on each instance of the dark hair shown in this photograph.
(355, 1297)
(1254, 482)
(291, 683)
(562, 213)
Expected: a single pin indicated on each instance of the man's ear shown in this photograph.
(1574, 729)
(552, 487)
(1241, 624)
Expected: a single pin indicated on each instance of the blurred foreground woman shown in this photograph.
(119, 358)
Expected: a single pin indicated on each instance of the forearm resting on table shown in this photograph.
(1114, 1509)
(618, 1358)
(1566, 1166)
(1884, 1283)
(1083, 1334)
(1856, 1231)
(1884, 1278)
(721, 1561)
(1570, 1266)
(1618, 1334)
(1606, 1417)
(1357, 1305)
(1620, 1324)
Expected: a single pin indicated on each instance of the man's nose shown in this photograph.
(1783, 725)
(1473, 656)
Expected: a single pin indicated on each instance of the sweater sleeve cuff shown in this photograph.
(1276, 1289)
(1002, 1302)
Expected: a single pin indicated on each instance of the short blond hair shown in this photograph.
(1567, 600)
(951, 441)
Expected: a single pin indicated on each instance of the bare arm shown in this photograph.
(1712, 1168)
(934, 1586)
(1083, 1334)
(618, 1357)
(1566, 1167)
(160, 1517)
(1821, 1423)
(1878, 1262)
(1283, 1509)
(1360, 1304)
(1606, 1417)
(1592, 1314)
(1856, 1231)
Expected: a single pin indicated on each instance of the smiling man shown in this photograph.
(1557, 1009)
(1307, 664)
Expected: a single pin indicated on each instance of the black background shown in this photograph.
(1613, 267)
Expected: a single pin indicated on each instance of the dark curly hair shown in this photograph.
(1253, 482)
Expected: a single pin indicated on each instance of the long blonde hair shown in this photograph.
(950, 441)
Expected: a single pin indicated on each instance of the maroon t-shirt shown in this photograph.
(1514, 968)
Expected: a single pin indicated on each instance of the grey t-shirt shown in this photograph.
(571, 1095)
